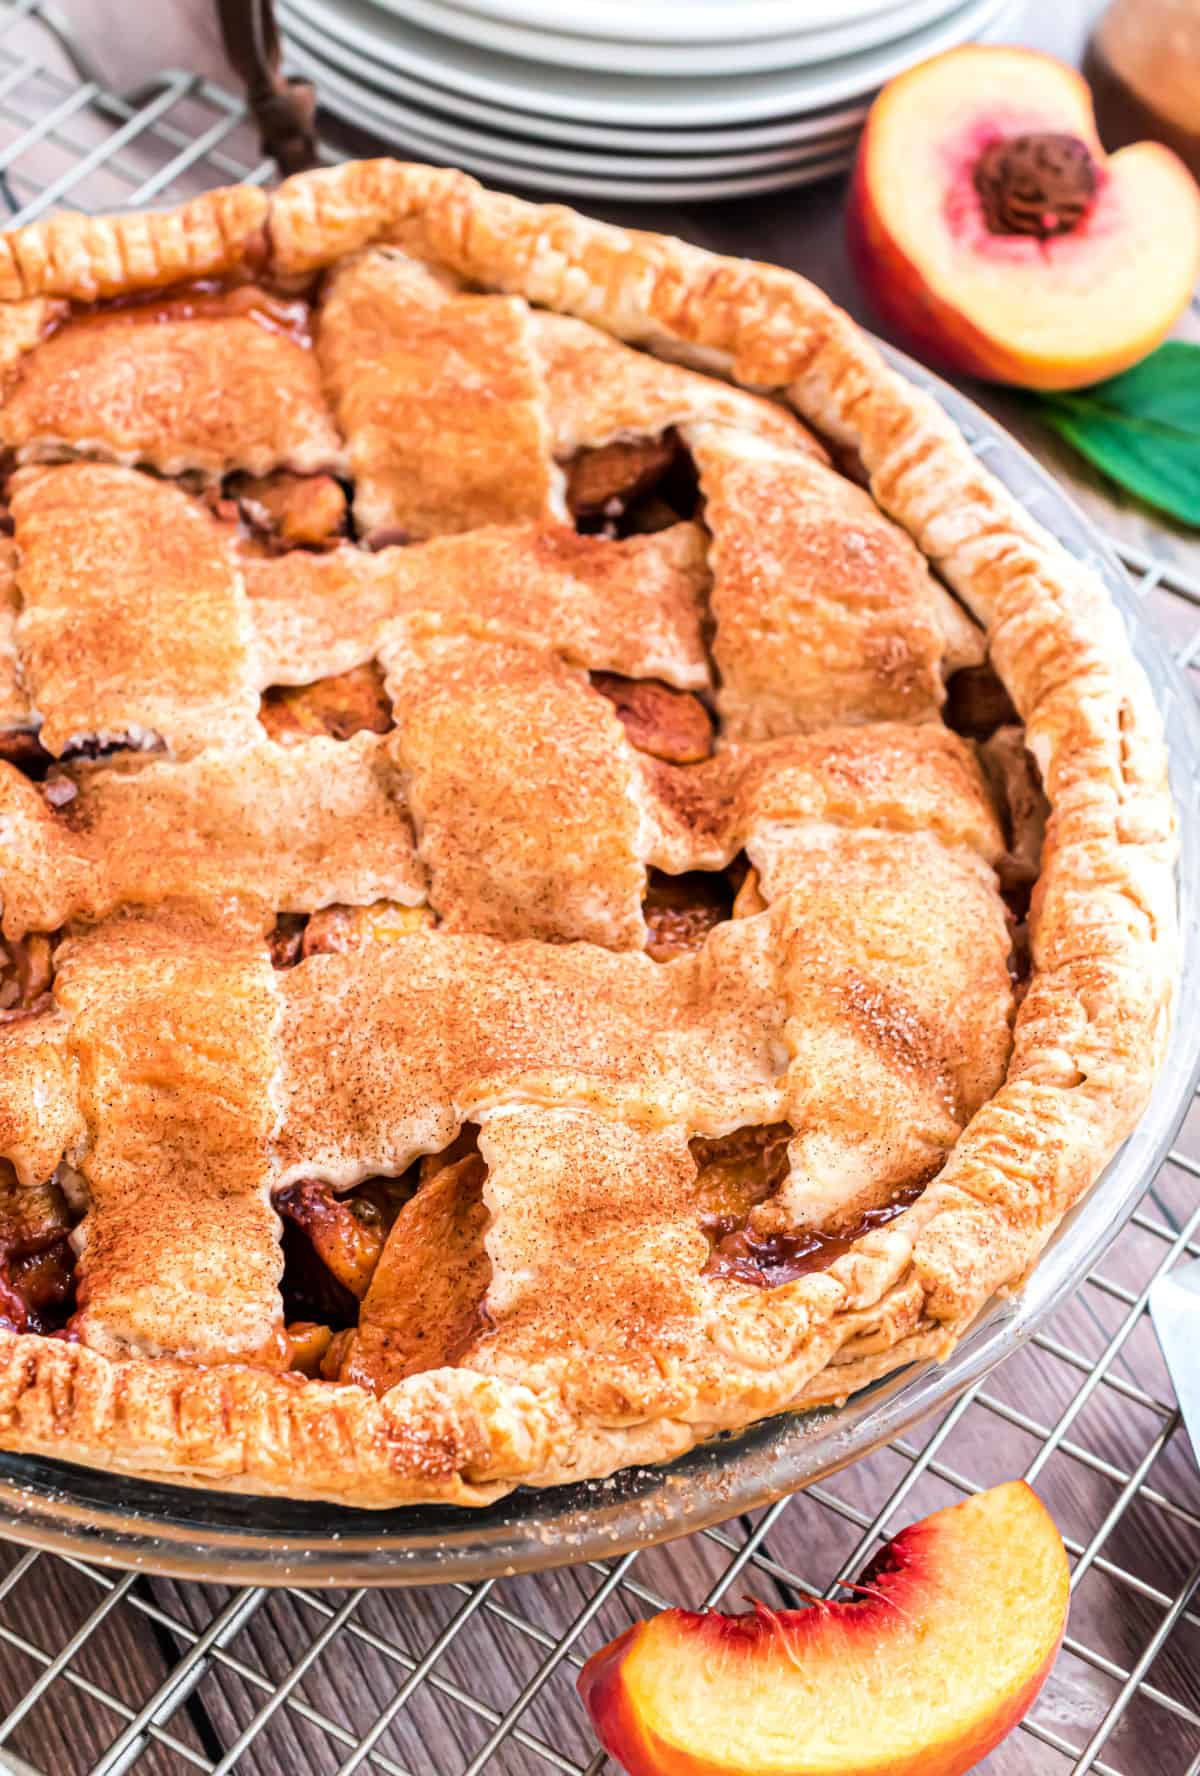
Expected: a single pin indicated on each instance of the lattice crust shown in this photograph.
(516, 849)
(888, 778)
(16, 712)
(134, 625)
(171, 1033)
(41, 1120)
(635, 607)
(824, 610)
(440, 398)
(598, 393)
(481, 1022)
(620, 1198)
(612, 1273)
(898, 1006)
(379, 1058)
(206, 625)
(209, 395)
(264, 822)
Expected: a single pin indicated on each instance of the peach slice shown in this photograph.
(995, 236)
(951, 1637)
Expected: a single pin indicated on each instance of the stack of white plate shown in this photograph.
(624, 99)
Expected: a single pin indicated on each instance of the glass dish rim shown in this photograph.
(198, 1533)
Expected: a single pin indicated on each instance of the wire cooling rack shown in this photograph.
(103, 1672)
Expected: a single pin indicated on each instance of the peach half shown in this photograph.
(994, 235)
(950, 1638)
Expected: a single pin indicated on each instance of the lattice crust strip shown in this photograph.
(588, 1275)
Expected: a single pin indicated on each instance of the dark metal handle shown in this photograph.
(284, 109)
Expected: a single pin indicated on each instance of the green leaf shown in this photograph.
(1141, 428)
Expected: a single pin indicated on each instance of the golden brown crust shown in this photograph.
(589, 1063)
(265, 823)
(824, 611)
(15, 711)
(887, 777)
(517, 849)
(899, 1004)
(134, 621)
(634, 607)
(441, 401)
(445, 1025)
(88, 258)
(181, 1256)
(206, 394)
(41, 1120)
(599, 393)
(242, 1427)
(22, 326)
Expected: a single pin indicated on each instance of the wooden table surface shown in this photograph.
(134, 1649)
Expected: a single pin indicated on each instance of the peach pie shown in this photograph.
(575, 873)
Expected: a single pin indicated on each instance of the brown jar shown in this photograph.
(1143, 65)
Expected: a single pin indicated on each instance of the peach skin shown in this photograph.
(995, 237)
(944, 1647)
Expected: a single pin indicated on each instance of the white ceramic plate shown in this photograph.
(514, 163)
(678, 21)
(531, 88)
(674, 60)
(450, 106)
(544, 161)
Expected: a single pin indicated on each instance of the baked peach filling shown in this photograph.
(605, 481)
(347, 704)
(388, 1278)
(426, 1299)
(1016, 787)
(26, 974)
(203, 300)
(768, 1260)
(332, 1242)
(977, 702)
(632, 485)
(285, 941)
(979, 708)
(667, 724)
(22, 748)
(680, 911)
(37, 1258)
(341, 929)
(284, 510)
(346, 1232)
(739, 1172)
(736, 1172)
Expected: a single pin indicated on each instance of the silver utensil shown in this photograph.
(1175, 1310)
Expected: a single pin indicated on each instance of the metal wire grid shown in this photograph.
(70, 139)
(102, 1672)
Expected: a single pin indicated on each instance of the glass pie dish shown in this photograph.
(224, 1536)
